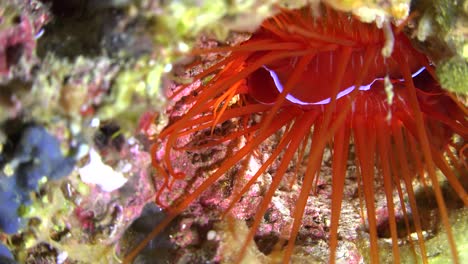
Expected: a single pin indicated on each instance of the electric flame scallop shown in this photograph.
(324, 82)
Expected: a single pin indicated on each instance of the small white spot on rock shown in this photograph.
(211, 235)
(95, 122)
(61, 257)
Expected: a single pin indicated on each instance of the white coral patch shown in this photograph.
(96, 172)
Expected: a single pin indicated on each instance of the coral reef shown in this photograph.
(31, 156)
(83, 88)
(28, 158)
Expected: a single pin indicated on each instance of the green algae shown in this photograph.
(442, 28)
(453, 74)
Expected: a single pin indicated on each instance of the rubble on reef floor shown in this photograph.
(82, 93)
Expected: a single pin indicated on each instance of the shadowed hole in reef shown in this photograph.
(176, 244)
(160, 249)
(266, 243)
(205, 249)
(109, 135)
(13, 54)
(74, 30)
(89, 27)
(428, 209)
